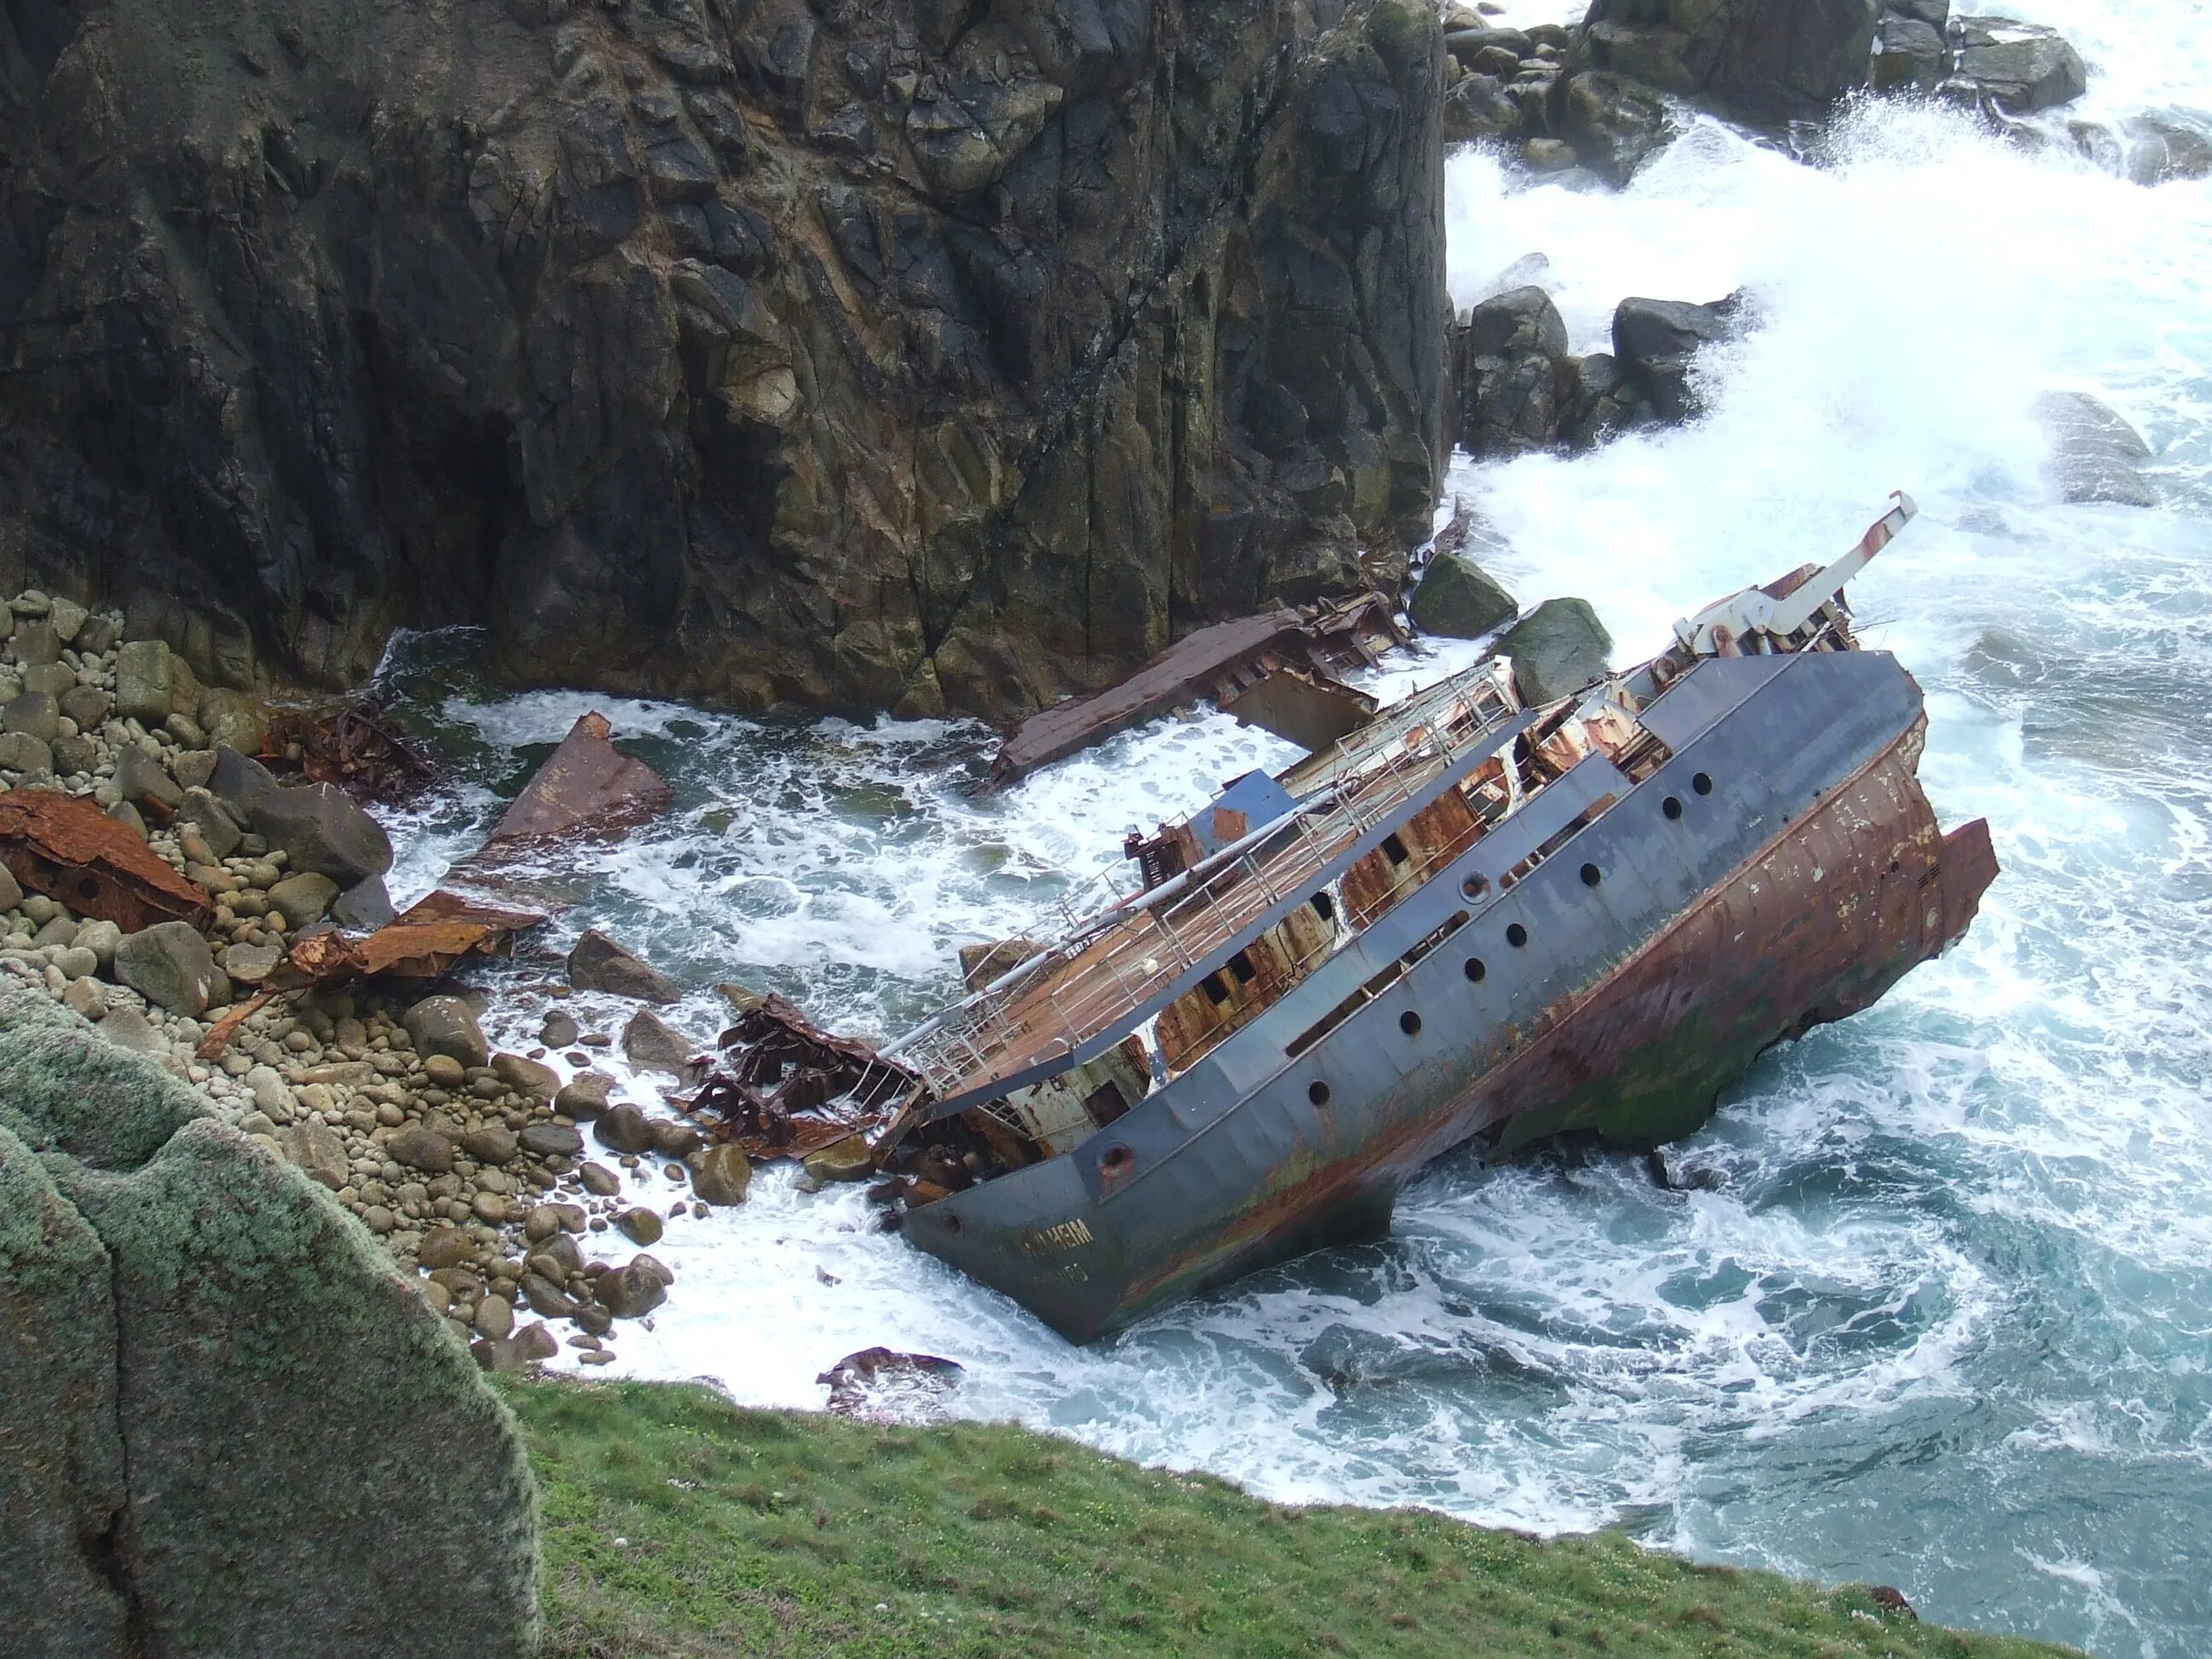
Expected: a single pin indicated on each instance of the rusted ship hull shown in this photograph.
(1783, 869)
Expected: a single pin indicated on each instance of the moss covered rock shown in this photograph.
(61, 1455)
(313, 1465)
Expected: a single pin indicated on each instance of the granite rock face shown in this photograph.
(906, 355)
(219, 1396)
(1764, 60)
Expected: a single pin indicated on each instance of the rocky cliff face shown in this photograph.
(934, 353)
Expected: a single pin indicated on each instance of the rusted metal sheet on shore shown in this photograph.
(587, 789)
(427, 939)
(1224, 662)
(785, 1087)
(67, 849)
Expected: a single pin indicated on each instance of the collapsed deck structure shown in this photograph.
(1468, 920)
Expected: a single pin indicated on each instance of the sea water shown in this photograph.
(1941, 1322)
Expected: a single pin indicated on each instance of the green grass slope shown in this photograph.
(745, 1532)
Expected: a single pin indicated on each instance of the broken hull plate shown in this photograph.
(1804, 881)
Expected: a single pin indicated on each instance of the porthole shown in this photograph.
(1117, 1160)
(1672, 806)
(952, 1225)
(1516, 935)
(1702, 783)
(1592, 875)
(1475, 886)
(1318, 1092)
(1410, 1022)
(1476, 973)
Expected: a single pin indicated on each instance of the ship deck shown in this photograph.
(1113, 967)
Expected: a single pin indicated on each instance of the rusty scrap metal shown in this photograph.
(586, 787)
(424, 941)
(1223, 662)
(358, 749)
(784, 1087)
(67, 849)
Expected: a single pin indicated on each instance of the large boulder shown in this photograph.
(319, 828)
(1556, 649)
(2015, 68)
(1459, 599)
(597, 963)
(1514, 374)
(227, 1426)
(2095, 455)
(1910, 55)
(595, 326)
(1764, 60)
(1614, 123)
(1655, 343)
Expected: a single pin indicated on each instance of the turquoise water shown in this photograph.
(1942, 1322)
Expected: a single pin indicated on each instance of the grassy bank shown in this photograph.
(782, 1533)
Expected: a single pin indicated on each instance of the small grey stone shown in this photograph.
(303, 898)
(101, 937)
(129, 818)
(363, 907)
(76, 961)
(421, 1148)
(75, 756)
(35, 642)
(22, 752)
(318, 1152)
(11, 890)
(583, 1096)
(623, 1129)
(635, 1291)
(725, 1175)
(85, 998)
(446, 1025)
(525, 1076)
(53, 679)
(551, 1140)
(216, 826)
(86, 705)
(491, 1145)
(194, 769)
(558, 1031)
(598, 1181)
(597, 963)
(271, 1094)
(250, 964)
(68, 617)
(139, 777)
(653, 1045)
(128, 1029)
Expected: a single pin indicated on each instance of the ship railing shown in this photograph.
(965, 1046)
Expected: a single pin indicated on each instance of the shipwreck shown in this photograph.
(1467, 921)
